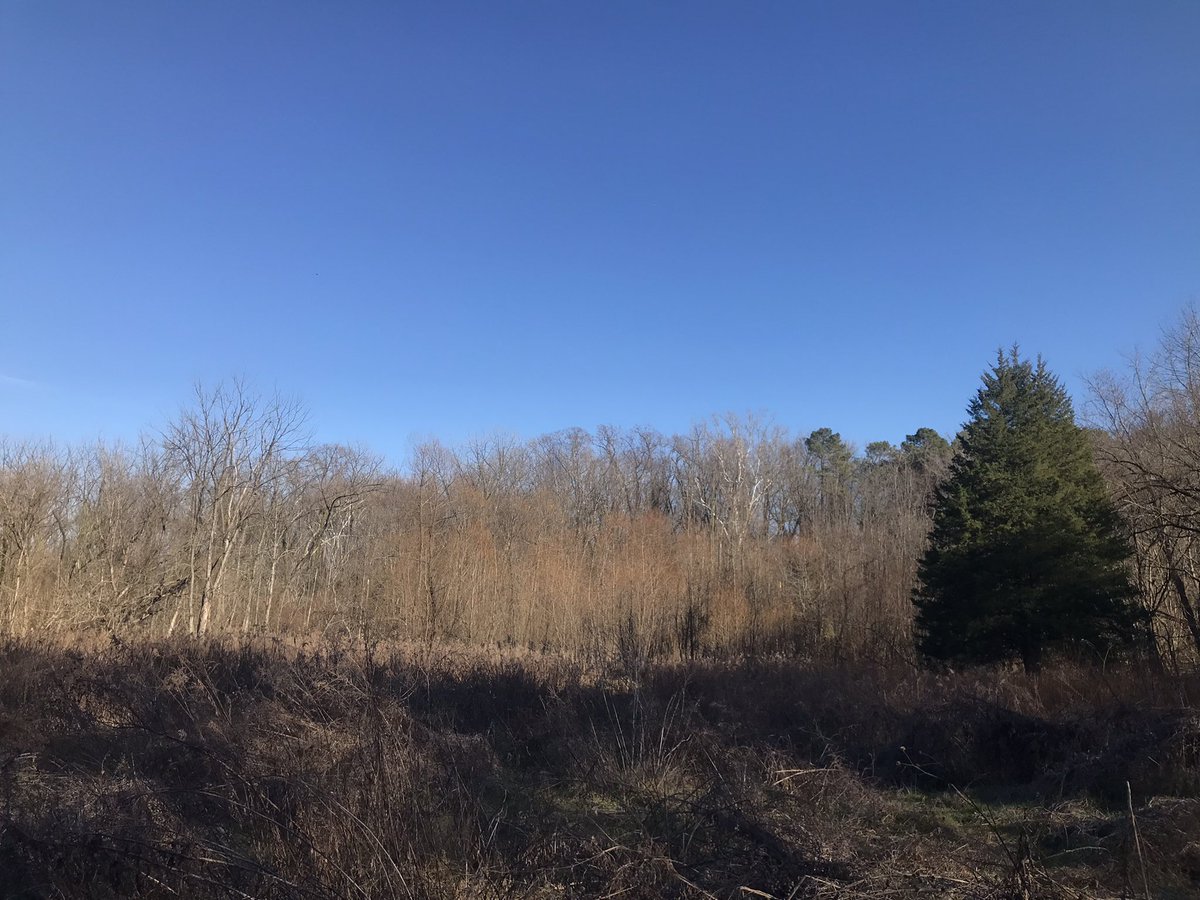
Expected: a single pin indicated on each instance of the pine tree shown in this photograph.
(1027, 553)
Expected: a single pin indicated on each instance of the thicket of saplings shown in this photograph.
(734, 538)
(609, 664)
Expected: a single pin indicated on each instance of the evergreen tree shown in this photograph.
(926, 450)
(1027, 553)
(831, 454)
(880, 453)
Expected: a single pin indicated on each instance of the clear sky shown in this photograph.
(445, 218)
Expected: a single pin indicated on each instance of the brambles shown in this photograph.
(218, 770)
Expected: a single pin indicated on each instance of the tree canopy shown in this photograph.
(1027, 553)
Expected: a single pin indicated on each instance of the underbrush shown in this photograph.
(220, 770)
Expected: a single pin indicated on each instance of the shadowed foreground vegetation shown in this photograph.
(204, 769)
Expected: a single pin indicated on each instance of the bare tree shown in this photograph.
(227, 449)
(32, 497)
(1151, 452)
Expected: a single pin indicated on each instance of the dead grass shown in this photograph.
(222, 770)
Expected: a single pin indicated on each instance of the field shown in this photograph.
(256, 769)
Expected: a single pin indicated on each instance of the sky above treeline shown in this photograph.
(446, 219)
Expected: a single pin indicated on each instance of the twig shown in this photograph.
(1137, 841)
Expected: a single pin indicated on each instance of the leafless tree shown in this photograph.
(1150, 447)
(227, 449)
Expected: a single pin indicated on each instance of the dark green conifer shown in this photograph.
(1027, 553)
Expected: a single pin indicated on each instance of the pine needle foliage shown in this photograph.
(1027, 553)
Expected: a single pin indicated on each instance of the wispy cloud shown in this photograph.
(21, 383)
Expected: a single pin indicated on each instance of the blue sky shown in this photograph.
(447, 218)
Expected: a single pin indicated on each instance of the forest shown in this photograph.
(735, 538)
(731, 662)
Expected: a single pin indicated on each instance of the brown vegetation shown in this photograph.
(1151, 447)
(732, 539)
(593, 665)
(212, 770)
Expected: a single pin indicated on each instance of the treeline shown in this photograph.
(733, 538)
